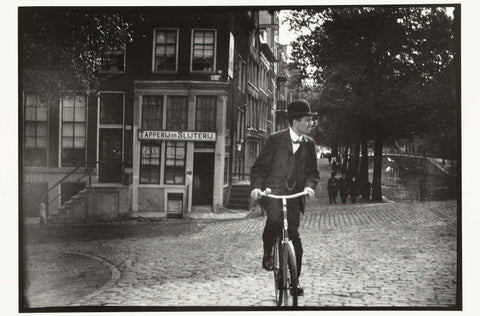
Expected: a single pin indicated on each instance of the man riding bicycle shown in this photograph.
(286, 165)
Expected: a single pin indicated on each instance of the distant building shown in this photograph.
(283, 93)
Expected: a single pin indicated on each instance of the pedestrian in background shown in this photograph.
(353, 190)
(342, 187)
(334, 166)
(368, 189)
(332, 189)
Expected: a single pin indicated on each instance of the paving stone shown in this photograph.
(391, 254)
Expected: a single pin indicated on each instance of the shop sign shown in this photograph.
(177, 135)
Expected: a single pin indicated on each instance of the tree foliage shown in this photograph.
(61, 48)
(386, 72)
(376, 63)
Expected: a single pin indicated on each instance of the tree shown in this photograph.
(376, 65)
(61, 48)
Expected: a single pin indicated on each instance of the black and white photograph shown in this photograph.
(231, 157)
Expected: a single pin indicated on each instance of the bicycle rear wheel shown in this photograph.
(289, 274)
(277, 272)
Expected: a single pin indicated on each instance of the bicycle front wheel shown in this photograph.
(289, 274)
(277, 271)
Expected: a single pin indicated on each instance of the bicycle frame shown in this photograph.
(286, 253)
(284, 199)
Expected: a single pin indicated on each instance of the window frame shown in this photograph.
(110, 124)
(165, 167)
(163, 109)
(192, 49)
(154, 46)
(35, 122)
(253, 73)
(61, 157)
(239, 72)
(113, 52)
(159, 171)
(167, 110)
(200, 120)
(254, 40)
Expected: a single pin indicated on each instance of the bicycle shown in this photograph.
(284, 260)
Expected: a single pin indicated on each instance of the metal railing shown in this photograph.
(239, 170)
(45, 201)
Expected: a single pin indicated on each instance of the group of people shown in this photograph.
(343, 187)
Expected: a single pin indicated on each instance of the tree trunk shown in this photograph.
(363, 174)
(355, 159)
(335, 153)
(345, 159)
(377, 168)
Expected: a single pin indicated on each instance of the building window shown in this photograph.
(249, 111)
(240, 125)
(165, 50)
(36, 131)
(152, 112)
(73, 130)
(205, 113)
(113, 60)
(177, 113)
(203, 50)
(239, 72)
(111, 108)
(175, 163)
(150, 163)
(254, 39)
(253, 73)
(244, 75)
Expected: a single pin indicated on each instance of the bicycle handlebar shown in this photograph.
(279, 197)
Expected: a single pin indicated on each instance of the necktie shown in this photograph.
(298, 141)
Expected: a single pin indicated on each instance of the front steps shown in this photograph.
(239, 197)
(93, 204)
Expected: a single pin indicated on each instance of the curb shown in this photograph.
(114, 272)
(219, 216)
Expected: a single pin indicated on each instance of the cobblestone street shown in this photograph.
(365, 255)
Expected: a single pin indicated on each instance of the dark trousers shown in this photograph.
(353, 197)
(274, 223)
(332, 197)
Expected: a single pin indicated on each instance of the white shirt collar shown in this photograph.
(293, 136)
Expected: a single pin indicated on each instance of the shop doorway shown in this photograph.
(110, 155)
(203, 168)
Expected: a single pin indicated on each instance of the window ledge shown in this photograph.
(54, 169)
(252, 85)
(165, 71)
(207, 72)
(120, 72)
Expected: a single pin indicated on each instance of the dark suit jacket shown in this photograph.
(272, 166)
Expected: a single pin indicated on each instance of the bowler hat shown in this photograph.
(299, 107)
